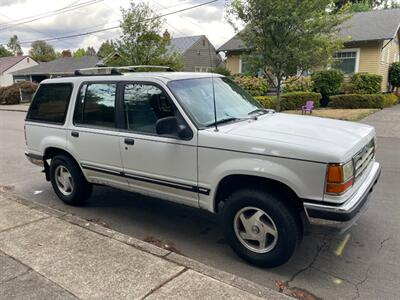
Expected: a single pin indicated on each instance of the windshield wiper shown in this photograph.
(226, 120)
(260, 110)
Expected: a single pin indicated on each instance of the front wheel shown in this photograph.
(260, 228)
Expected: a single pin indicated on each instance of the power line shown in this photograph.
(116, 27)
(33, 29)
(187, 20)
(48, 14)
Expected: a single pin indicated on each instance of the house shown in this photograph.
(64, 66)
(11, 64)
(372, 45)
(198, 54)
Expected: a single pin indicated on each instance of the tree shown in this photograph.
(285, 37)
(42, 51)
(106, 48)
(140, 42)
(14, 45)
(90, 51)
(4, 52)
(394, 75)
(79, 53)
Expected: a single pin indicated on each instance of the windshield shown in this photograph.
(196, 95)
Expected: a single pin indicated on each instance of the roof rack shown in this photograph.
(117, 70)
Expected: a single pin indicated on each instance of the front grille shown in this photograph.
(363, 158)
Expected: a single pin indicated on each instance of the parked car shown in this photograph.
(198, 139)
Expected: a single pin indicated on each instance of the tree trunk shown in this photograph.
(278, 94)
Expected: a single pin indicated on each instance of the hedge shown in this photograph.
(390, 100)
(267, 101)
(11, 94)
(298, 84)
(357, 101)
(365, 83)
(255, 86)
(290, 101)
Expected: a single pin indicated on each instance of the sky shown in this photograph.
(209, 20)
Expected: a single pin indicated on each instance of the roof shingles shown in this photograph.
(364, 26)
(64, 65)
(9, 61)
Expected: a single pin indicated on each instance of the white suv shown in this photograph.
(200, 140)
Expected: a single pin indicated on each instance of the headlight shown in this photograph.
(339, 178)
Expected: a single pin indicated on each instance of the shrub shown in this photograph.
(390, 100)
(267, 101)
(221, 70)
(298, 84)
(365, 83)
(357, 101)
(290, 101)
(11, 94)
(327, 82)
(255, 86)
(295, 100)
(394, 75)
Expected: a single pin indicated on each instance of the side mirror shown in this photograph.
(171, 126)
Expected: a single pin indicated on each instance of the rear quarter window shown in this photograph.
(50, 103)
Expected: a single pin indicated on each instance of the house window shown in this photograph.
(347, 61)
(244, 65)
(202, 69)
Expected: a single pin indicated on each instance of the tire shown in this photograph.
(71, 187)
(264, 215)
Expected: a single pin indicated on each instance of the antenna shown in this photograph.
(213, 89)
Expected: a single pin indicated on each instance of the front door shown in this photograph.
(159, 165)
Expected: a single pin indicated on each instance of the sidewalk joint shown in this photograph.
(164, 283)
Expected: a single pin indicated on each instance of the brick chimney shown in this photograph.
(166, 35)
(20, 53)
(66, 53)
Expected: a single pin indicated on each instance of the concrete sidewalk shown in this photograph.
(48, 254)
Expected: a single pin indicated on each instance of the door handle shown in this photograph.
(129, 141)
(75, 134)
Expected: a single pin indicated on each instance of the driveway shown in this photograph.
(362, 263)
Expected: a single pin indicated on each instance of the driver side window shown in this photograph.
(144, 105)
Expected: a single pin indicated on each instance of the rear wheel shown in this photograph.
(68, 181)
(260, 228)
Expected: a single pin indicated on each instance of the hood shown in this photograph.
(302, 137)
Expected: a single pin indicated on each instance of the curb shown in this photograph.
(13, 109)
(222, 276)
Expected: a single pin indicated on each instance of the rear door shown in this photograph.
(93, 137)
(157, 165)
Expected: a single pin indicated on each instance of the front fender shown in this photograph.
(305, 178)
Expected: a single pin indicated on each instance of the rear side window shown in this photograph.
(50, 103)
(96, 105)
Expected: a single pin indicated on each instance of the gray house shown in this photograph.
(64, 66)
(198, 54)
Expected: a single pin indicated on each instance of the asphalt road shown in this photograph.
(363, 263)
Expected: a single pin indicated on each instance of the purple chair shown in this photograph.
(308, 107)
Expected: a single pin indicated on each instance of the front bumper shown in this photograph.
(351, 209)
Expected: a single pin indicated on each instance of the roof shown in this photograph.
(63, 65)
(372, 25)
(363, 26)
(161, 76)
(182, 44)
(10, 61)
(233, 44)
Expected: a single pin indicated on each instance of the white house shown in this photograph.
(11, 64)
